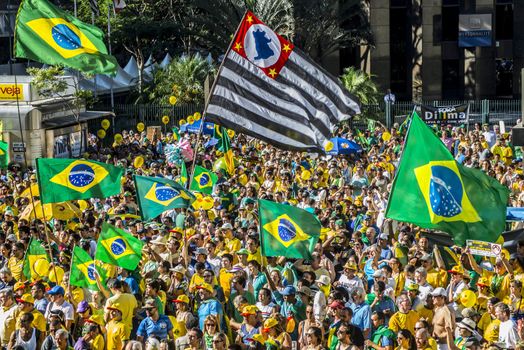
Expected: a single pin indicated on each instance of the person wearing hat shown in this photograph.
(116, 329)
(155, 324)
(183, 316)
(209, 305)
(179, 283)
(58, 302)
(249, 326)
(273, 332)
(231, 243)
(348, 279)
(466, 329)
(456, 285)
(499, 278)
(443, 316)
(320, 299)
(26, 305)
(238, 287)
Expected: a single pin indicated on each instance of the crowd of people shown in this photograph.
(372, 283)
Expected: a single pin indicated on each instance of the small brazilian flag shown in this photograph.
(47, 34)
(4, 154)
(286, 230)
(156, 195)
(84, 269)
(176, 133)
(62, 180)
(182, 179)
(224, 145)
(34, 252)
(203, 180)
(433, 191)
(117, 247)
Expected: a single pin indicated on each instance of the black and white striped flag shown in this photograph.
(268, 89)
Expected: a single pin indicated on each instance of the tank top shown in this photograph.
(29, 344)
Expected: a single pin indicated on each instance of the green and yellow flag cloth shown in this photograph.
(4, 154)
(84, 270)
(47, 34)
(286, 230)
(224, 145)
(203, 180)
(182, 179)
(433, 191)
(117, 247)
(156, 195)
(62, 180)
(35, 251)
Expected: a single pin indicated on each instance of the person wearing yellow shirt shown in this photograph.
(26, 305)
(499, 279)
(404, 318)
(232, 244)
(489, 324)
(225, 276)
(16, 261)
(126, 301)
(116, 330)
(93, 337)
(253, 248)
(436, 277)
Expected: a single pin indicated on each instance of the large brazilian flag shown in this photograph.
(47, 34)
(433, 191)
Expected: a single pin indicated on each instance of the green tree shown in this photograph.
(183, 78)
(361, 85)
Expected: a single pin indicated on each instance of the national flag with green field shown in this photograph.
(203, 180)
(433, 191)
(34, 252)
(84, 270)
(286, 230)
(176, 133)
(4, 154)
(47, 34)
(182, 179)
(224, 145)
(156, 195)
(61, 180)
(117, 247)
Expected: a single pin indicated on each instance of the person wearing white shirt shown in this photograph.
(389, 97)
(455, 287)
(423, 286)
(508, 333)
(348, 279)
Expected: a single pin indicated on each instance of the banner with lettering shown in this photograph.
(455, 115)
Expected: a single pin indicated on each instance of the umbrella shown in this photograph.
(343, 146)
(60, 211)
(195, 127)
(31, 190)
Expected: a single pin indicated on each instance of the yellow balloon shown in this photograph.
(56, 274)
(172, 100)
(41, 267)
(242, 179)
(118, 138)
(140, 127)
(182, 122)
(329, 146)
(165, 119)
(231, 133)
(306, 174)
(197, 116)
(190, 119)
(386, 136)
(105, 124)
(468, 298)
(101, 133)
(138, 162)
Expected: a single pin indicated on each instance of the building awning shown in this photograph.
(71, 120)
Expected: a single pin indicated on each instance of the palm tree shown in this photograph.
(361, 85)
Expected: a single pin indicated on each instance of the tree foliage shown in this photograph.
(361, 85)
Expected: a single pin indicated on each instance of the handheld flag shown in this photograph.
(183, 175)
(35, 251)
(433, 191)
(267, 88)
(156, 195)
(224, 145)
(61, 180)
(84, 269)
(203, 180)
(286, 230)
(176, 133)
(117, 247)
(4, 154)
(47, 34)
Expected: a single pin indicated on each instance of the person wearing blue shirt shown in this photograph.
(123, 275)
(361, 311)
(154, 325)
(209, 306)
(380, 302)
(290, 305)
(382, 337)
(385, 252)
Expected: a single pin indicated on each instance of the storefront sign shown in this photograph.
(9, 92)
(475, 30)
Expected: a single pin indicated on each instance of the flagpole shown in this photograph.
(204, 113)
(109, 48)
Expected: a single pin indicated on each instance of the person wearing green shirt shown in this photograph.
(382, 338)
(257, 278)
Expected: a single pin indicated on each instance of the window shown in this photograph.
(503, 21)
(450, 23)
(504, 76)
(450, 79)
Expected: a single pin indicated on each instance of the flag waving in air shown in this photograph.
(267, 88)
(4, 154)
(117, 247)
(61, 180)
(84, 270)
(35, 251)
(203, 180)
(156, 195)
(286, 230)
(433, 191)
(224, 145)
(47, 34)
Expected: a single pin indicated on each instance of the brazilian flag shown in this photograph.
(4, 154)
(203, 180)
(62, 180)
(433, 191)
(182, 179)
(176, 133)
(286, 230)
(156, 195)
(84, 270)
(35, 251)
(47, 34)
(119, 248)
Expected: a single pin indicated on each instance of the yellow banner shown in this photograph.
(10, 91)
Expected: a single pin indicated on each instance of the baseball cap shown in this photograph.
(18, 286)
(383, 236)
(350, 266)
(56, 290)
(115, 306)
(270, 323)
(243, 251)
(249, 310)
(483, 282)
(456, 270)
(205, 286)
(149, 304)
(336, 304)
(179, 268)
(83, 306)
(305, 290)
(227, 226)
(439, 292)
(378, 274)
(182, 299)
(289, 290)
(426, 257)
(412, 287)
(325, 280)
(26, 298)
